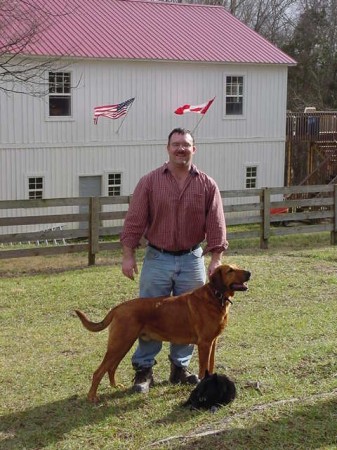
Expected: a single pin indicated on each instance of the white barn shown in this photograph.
(163, 54)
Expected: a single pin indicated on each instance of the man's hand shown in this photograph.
(215, 262)
(129, 264)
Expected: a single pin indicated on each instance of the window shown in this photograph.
(234, 95)
(114, 184)
(251, 177)
(59, 94)
(35, 188)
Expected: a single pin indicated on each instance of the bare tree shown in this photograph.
(273, 19)
(21, 23)
(314, 81)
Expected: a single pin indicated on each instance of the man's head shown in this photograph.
(180, 147)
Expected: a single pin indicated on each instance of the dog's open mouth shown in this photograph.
(238, 287)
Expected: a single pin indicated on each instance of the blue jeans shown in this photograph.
(165, 274)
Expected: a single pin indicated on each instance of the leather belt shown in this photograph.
(177, 252)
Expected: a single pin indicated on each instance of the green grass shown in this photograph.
(281, 338)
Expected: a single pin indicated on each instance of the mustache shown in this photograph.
(181, 152)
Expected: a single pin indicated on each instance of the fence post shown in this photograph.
(333, 235)
(265, 215)
(93, 244)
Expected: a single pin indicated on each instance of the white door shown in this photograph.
(89, 186)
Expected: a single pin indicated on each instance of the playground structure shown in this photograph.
(311, 148)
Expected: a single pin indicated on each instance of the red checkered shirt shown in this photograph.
(175, 219)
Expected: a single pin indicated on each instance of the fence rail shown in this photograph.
(303, 209)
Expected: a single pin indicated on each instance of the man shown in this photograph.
(176, 207)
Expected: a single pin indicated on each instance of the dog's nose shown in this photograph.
(248, 274)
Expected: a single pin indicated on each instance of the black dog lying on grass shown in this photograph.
(212, 391)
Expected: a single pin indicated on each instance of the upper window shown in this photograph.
(59, 94)
(35, 188)
(251, 177)
(114, 184)
(234, 95)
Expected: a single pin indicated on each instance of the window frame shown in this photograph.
(247, 178)
(243, 95)
(36, 189)
(114, 172)
(67, 95)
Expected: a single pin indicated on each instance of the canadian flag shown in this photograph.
(200, 109)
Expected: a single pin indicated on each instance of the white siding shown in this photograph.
(61, 167)
(159, 89)
(63, 150)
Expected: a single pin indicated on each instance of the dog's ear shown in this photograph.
(207, 375)
(216, 279)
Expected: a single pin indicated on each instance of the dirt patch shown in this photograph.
(51, 264)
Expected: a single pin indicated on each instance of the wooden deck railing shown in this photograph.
(312, 126)
(87, 225)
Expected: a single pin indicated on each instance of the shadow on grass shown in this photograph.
(305, 427)
(302, 427)
(48, 424)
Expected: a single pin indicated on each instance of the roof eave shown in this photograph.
(114, 58)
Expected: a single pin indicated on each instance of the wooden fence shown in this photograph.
(276, 211)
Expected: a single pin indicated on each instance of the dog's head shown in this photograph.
(227, 279)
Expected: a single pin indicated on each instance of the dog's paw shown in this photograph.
(214, 409)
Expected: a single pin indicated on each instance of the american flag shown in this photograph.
(112, 111)
(200, 109)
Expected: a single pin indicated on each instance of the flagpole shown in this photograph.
(125, 116)
(203, 115)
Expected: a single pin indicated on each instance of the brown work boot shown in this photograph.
(182, 375)
(143, 380)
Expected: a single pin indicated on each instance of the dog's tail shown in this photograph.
(95, 326)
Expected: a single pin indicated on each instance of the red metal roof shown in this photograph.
(141, 30)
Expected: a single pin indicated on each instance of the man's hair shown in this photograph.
(180, 131)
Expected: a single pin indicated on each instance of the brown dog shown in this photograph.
(197, 317)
